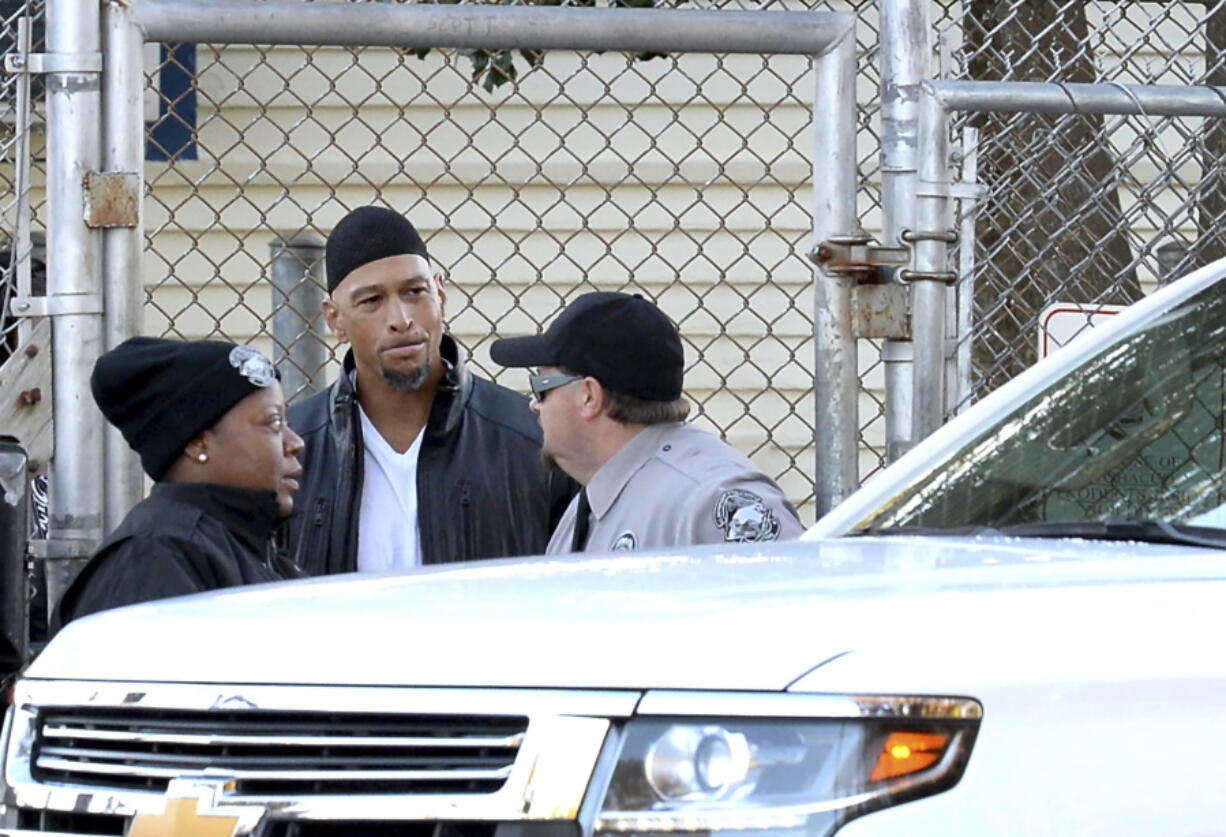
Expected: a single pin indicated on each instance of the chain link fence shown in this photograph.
(1089, 210)
(15, 130)
(683, 178)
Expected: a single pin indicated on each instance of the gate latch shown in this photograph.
(879, 306)
(857, 256)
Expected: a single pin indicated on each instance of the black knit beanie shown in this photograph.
(161, 394)
(365, 235)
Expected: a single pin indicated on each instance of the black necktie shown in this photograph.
(583, 517)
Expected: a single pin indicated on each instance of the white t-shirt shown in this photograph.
(388, 536)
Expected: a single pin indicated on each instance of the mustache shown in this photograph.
(401, 344)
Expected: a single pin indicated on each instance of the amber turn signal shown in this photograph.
(908, 752)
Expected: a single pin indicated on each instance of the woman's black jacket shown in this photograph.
(183, 538)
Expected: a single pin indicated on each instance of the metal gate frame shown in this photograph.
(95, 184)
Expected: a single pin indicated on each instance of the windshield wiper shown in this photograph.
(1124, 529)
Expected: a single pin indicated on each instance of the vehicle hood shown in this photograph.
(712, 618)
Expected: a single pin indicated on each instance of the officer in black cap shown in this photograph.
(410, 458)
(208, 420)
(608, 395)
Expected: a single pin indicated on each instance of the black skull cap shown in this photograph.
(365, 235)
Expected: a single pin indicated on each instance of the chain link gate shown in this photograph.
(685, 178)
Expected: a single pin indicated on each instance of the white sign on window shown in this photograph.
(1062, 322)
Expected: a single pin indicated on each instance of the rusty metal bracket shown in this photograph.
(112, 199)
(56, 306)
(881, 312)
(42, 63)
(880, 307)
(857, 256)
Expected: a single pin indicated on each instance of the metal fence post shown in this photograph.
(930, 276)
(74, 287)
(123, 132)
(904, 56)
(297, 322)
(836, 389)
(1171, 256)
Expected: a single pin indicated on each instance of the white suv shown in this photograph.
(1016, 630)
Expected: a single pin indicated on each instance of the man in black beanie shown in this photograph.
(410, 458)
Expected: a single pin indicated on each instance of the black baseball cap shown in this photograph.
(621, 340)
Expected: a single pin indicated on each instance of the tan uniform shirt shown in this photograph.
(676, 485)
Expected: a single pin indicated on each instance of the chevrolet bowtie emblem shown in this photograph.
(195, 808)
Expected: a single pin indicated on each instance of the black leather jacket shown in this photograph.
(482, 491)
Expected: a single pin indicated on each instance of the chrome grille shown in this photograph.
(279, 753)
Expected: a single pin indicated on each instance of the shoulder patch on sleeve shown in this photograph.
(744, 517)
(626, 540)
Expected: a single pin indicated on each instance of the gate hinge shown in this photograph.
(41, 63)
(857, 256)
(56, 306)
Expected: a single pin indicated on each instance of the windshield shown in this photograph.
(1135, 432)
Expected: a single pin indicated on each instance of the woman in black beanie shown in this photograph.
(208, 420)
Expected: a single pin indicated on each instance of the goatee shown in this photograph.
(407, 381)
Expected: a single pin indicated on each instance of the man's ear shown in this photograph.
(332, 316)
(442, 295)
(592, 399)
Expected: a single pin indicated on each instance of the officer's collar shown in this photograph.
(611, 478)
(251, 515)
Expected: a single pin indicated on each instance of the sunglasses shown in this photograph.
(542, 384)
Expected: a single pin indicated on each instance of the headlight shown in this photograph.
(691, 762)
(782, 775)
